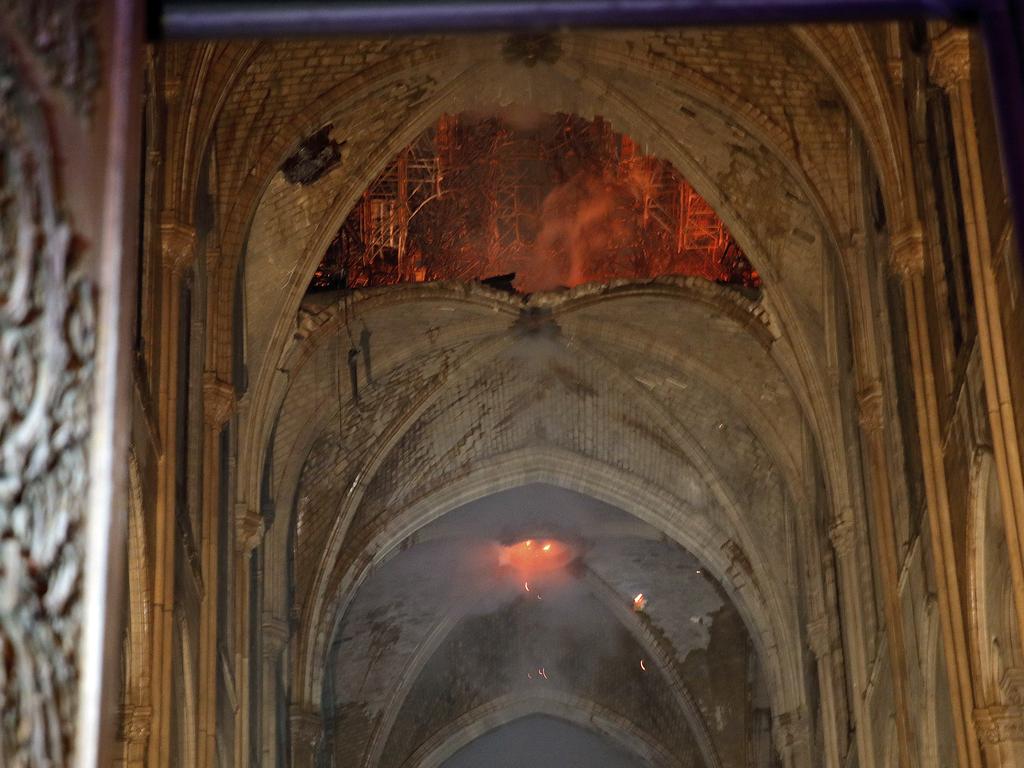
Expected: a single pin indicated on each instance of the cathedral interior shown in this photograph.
(569, 398)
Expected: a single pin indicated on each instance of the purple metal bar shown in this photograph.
(188, 19)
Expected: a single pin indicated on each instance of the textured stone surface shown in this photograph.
(47, 338)
(440, 597)
(461, 379)
(728, 425)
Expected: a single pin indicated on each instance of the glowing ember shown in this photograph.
(527, 585)
(533, 557)
(639, 602)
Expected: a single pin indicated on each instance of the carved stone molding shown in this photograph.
(906, 252)
(306, 726)
(1012, 686)
(739, 570)
(218, 400)
(62, 35)
(136, 722)
(532, 48)
(841, 534)
(949, 62)
(275, 636)
(871, 408)
(819, 637)
(172, 88)
(791, 730)
(177, 246)
(1000, 724)
(249, 527)
(47, 349)
(895, 66)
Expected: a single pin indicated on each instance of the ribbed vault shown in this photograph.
(715, 418)
(438, 632)
(622, 393)
(751, 387)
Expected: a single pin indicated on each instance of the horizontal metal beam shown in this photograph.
(212, 19)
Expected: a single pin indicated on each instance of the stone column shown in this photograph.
(844, 540)
(136, 722)
(793, 739)
(871, 406)
(275, 640)
(907, 261)
(1001, 726)
(1001, 729)
(249, 531)
(177, 242)
(218, 404)
(950, 67)
(819, 637)
(306, 735)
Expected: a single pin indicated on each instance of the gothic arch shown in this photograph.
(494, 714)
(997, 644)
(654, 645)
(264, 396)
(777, 646)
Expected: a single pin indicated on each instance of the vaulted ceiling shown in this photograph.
(684, 438)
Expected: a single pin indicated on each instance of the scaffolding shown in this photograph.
(561, 201)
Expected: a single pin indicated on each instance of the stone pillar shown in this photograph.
(218, 404)
(136, 722)
(1001, 729)
(819, 637)
(275, 640)
(177, 242)
(249, 531)
(907, 261)
(871, 407)
(1001, 726)
(793, 739)
(844, 541)
(306, 735)
(950, 67)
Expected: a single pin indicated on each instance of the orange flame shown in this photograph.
(532, 556)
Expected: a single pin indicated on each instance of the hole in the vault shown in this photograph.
(526, 201)
(531, 557)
